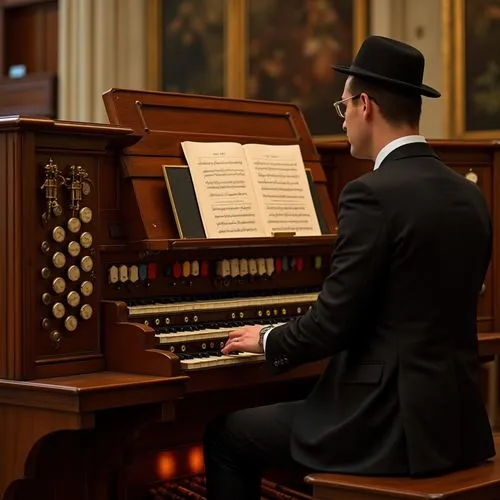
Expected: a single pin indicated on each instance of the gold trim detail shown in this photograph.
(154, 66)
(448, 78)
(459, 75)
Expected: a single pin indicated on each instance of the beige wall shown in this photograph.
(419, 23)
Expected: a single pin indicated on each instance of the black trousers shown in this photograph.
(240, 446)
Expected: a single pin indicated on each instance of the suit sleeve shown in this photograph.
(356, 264)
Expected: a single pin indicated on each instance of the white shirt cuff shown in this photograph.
(264, 340)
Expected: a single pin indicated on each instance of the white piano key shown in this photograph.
(195, 335)
(224, 360)
(219, 305)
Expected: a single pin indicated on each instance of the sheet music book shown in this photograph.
(251, 190)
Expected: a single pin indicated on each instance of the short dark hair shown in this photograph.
(397, 108)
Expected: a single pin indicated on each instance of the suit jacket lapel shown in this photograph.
(413, 150)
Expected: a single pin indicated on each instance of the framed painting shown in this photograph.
(477, 68)
(279, 50)
(187, 46)
(291, 47)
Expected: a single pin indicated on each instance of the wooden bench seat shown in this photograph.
(479, 483)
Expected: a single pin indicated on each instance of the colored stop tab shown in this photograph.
(278, 265)
(177, 270)
(299, 263)
(204, 269)
(152, 270)
(286, 264)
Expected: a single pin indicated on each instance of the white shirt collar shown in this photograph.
(396, 143)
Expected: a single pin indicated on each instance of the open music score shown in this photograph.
(251, 190)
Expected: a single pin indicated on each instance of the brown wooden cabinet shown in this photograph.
(29, 36)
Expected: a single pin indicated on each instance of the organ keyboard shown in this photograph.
(188, 329)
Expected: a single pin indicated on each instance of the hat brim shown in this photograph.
(368, 75)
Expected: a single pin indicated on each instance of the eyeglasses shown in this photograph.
(341, 106)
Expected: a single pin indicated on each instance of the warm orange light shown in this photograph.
(195, 460)
(166, 465)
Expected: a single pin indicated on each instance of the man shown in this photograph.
(397, 313)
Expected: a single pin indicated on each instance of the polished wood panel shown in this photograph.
(30, 35)
(35, 415)
(32, 95)
(27, 145)
(165, 120)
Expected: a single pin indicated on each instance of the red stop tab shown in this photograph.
(278, 265)
(177, 270)
(204, 268)
(299, 263)
(152, 270)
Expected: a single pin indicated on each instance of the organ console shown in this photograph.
(111, 323)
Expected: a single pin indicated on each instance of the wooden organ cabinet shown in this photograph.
(111, 324)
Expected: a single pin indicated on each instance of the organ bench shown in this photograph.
(478, 483)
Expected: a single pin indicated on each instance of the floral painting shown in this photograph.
(292, 46)
(192, 46)
(477, 51)
(278, 50)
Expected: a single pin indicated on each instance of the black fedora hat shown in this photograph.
(390, 62)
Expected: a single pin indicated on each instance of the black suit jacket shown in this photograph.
(397, 315)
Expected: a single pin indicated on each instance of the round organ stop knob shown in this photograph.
(47, 298)
(87, 264)
(86, 240)
(472, 176)
(70, 323)
(55, 336)
(85, 215)
(74, 248)
(59, 260)
(74, 273)
(86, 311)
(59, 285)
(58, 234)
(73, 299)
(74, 225)
(58, 310)
(87, 288)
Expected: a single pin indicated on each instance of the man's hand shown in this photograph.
(244, 339)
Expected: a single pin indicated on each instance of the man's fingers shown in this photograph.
(229, 346)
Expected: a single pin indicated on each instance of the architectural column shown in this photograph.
(102, 44)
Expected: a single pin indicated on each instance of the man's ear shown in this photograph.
(367, 105)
